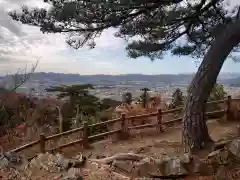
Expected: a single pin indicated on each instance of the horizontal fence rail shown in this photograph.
(122, 131)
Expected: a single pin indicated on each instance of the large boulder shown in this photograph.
(225, 162)
(234, 148)
(11, 160)
(173, 165)
(55, 163)
(165, 166)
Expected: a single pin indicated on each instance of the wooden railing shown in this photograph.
(123, 131)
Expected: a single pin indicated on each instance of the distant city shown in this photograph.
(113, 86)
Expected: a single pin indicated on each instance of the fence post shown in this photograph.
(42, 143)
(159, 120)
(124, 130)
(85, 135)
(229, 99)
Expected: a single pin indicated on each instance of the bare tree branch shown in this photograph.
(17, 80)
(238, 14)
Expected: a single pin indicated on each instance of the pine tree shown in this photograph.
(177, 99)
(72, 91)
(107, 103)
(144, 97)
(80, 96)
(218, 93)
(205, 29)
(127, 97)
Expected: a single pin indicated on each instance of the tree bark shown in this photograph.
(195, 132)
(60, 116)
(78, 116)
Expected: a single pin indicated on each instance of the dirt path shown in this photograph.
(149, 142)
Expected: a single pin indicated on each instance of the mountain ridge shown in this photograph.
(167, 79)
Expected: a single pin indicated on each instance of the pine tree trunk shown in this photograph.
(195, 132)
(60, 116)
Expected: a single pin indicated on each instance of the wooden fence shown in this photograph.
(123, 131)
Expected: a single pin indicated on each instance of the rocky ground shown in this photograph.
(220, 164)
(145, 155)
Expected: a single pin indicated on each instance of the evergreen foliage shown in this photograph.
(218, 93)
(144, 97)
(177, 99)
(80, 96)
(157, 26)
(127, 97)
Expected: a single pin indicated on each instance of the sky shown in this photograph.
(23, 45)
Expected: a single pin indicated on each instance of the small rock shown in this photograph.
(213, 153)
(148, 160)
(200, 167)
(78, 161)
(171, 165)
(143, 149)
(146, 167)
(9, 159)
(185, 158)
(13, 158)
(4, 163)
(218, 158)
(73, 174)
(174, 167)
(234, 148)
(212, 162)
(126, 166)
(51, 163)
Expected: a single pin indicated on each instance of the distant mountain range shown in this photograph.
(100, 78)
(225, 78)
(234, 82)
(41, 80)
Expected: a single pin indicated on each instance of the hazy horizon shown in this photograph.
(221, 73)
(187, 73)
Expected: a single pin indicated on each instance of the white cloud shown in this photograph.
(21, 44)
